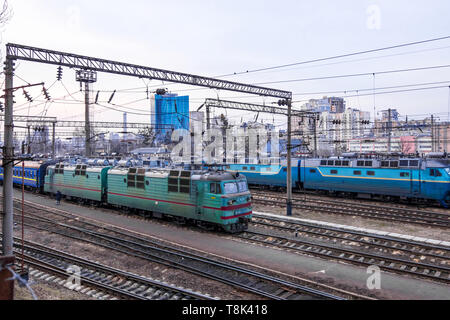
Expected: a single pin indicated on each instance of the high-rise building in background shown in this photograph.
(169, 112)
(326, 104)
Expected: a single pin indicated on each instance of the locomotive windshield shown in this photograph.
(235, 187)
(242, 184)
(230, 187)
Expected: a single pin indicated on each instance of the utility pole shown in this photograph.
(208, 117)
(315, 136)
(86, 77)
(8, 161)
(53, 142)
(389, 130)
(432, 133)
(87, 123)
(289, 164)
(29, 140)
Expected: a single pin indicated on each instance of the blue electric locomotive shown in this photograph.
(405, 178)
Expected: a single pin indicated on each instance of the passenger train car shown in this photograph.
(392, 178)
(33, 174)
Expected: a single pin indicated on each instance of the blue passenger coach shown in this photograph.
(34, 173)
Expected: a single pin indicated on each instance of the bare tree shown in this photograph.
(5, 15)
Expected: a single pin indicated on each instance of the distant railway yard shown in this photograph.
(322, 252)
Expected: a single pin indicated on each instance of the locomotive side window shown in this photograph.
(131, 177)
(215, 188)
(185, 181)
(172, 185)
(312, 170)
(413, 163)
(140, 178)
(403, 163)
(357, 172)
(370, 173)
(404, 174)
(334, 171)
(432, 172)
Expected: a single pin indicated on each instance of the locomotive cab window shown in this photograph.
(242, 184)
(215, 188)
(435, 173)
(230, 187)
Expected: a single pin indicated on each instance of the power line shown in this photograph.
(355, 74)
(336, 57)
(385, 92)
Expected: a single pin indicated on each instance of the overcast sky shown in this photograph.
(213, 38)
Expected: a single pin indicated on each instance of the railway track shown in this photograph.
(395, 214)
(68, 225)
(391, 254)
(111, 281)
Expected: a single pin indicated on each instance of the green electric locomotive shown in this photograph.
(210, 199)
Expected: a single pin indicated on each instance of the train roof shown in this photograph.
(165, 172)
